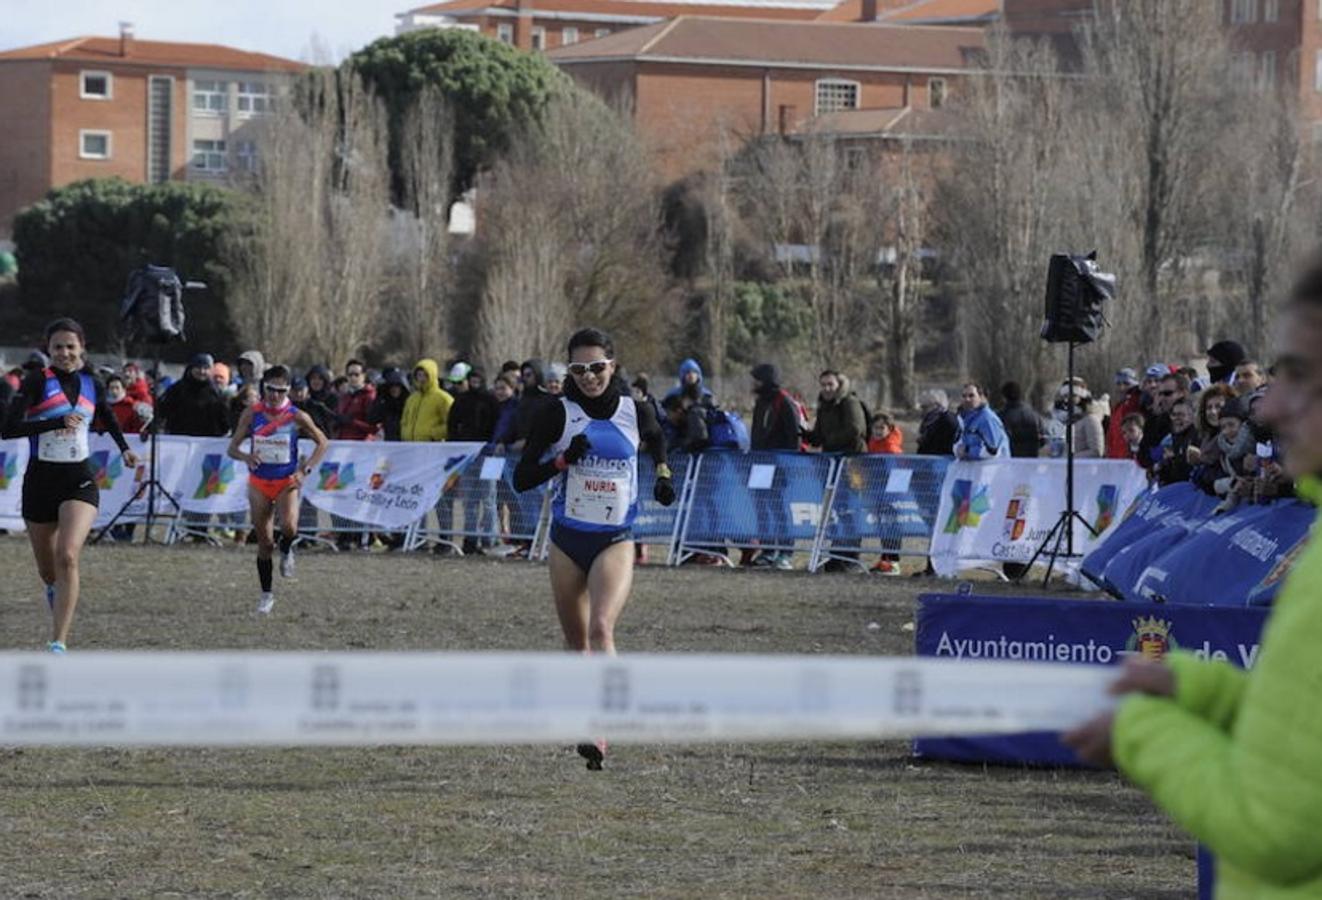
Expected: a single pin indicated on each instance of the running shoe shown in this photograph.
(287, 563)
(58, 647)
(594, 753)
(783, 563)
(50, 596)
(265, 603)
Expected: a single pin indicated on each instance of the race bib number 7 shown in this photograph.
(597, 499)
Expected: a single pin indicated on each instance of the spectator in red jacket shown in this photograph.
(132, 415)
(1131, 403)
(354, 409)
(136, 384)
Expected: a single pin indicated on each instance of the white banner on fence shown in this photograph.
(386, 484)
(1002, 510)
(390, 485)
(252, 699)
(13, 462)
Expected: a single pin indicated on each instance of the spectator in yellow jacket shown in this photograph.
(427, 410)
(1235, 757)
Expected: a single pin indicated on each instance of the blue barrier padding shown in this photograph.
(1158, 509)
(654, 521)
(725, 509)
(1122, 575)
(880, 496)
(1068, 631)
(1232, 559)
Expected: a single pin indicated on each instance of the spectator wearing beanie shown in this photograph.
(192, 405)
(1222, 358)
(388, 408)
(473, 416)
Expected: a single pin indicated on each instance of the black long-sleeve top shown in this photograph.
(31, 392)
(549, 424)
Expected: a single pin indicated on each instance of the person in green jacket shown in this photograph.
(1235, 757)
(427, 410)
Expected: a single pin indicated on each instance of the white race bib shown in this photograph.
(63, 446)
(272, 449)
(597, 499)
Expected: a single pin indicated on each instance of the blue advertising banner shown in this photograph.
(1178, 504)
(1096, 632)
(770, 498)
(1231, 559)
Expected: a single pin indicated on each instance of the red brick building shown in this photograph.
(548, 24)
(700, 87)
(146, 111)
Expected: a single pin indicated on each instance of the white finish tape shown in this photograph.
(343, 699)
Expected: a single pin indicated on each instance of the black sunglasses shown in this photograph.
(275, 389)
(1168, 393)
(596, 368)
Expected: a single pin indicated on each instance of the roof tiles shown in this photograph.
(818, 44)
(106, 51)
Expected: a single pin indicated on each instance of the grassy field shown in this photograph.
(774, 820)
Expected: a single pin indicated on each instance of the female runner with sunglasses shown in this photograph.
(588, 442)
(271, 428)
(54, 409)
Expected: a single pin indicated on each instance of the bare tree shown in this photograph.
(571, 220)
(427, 163)
(310, 269)
(1156, 68)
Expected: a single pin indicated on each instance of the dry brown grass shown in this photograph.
(775, 820)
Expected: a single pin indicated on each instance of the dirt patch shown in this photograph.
(782, 820)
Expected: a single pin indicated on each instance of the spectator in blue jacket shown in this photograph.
(690, 373)
(981, 434)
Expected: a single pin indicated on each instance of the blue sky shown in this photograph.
(281, 27)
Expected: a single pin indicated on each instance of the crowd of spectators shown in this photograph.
(1176, 423)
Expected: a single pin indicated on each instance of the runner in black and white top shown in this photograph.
(588, 442)
(54, 409)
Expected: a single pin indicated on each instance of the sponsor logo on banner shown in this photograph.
(335, 477)
(970, 505)
(377, 480)
(1016, 513)
(1284, 564)
(1108, 495)
(217, 473)
(1152, 639)
(107, 468)
(8, 470)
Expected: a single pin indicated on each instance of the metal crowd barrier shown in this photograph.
(879, 504)
(480, 507)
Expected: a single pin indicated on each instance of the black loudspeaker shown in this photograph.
(152, 310)
(1076, 293)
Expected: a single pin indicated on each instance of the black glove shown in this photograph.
(664, 491)
(577, 449)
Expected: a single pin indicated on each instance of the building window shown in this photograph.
(538, 38)
(936, 93)
(834, 94)
(93, 144)
(245, 156)
(209, 156)
(211, 97)
(1271, 10)
(95, 85)
(256, 98)
(569, 36)
(505, 33)
(1243, 12)
(1267, 70)
(601, 32)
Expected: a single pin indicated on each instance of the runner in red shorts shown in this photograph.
(270, 429)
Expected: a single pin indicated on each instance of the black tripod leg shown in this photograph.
(1042, 547)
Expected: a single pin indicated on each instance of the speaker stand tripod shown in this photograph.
(151, 486)
(1063, 531)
